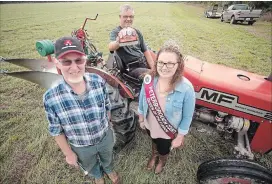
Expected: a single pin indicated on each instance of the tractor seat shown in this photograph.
(115, 61)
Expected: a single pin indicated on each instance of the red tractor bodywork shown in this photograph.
(235, 92)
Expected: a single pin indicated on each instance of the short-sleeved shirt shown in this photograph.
(83, 119)
(132, 52)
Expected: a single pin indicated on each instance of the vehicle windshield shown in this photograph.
(241, 7)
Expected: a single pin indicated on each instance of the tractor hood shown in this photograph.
(231, 88)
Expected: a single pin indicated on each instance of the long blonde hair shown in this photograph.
(171, 47)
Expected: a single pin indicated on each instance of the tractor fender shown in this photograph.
(112, 80)
(153, 54)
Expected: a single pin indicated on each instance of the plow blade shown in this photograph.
(44, 79)
(34, 64)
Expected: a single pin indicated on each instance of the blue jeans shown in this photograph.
(140, 69)
(97, 158)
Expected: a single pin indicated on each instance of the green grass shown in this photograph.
(29, 155)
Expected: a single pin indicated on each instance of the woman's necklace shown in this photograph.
(161, 93)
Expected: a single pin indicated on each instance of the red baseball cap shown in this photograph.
(67, 45)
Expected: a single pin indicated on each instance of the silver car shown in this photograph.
(240, 13)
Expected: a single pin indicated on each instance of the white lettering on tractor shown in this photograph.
(230, 101)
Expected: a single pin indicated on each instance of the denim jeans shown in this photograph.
(141, 69)
(139, 72)
(97, 158)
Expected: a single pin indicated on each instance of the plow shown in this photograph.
(236, 103)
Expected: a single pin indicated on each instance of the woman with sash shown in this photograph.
(166, 105)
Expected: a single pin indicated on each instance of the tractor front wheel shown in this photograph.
(228, 171)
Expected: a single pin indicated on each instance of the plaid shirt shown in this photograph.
(82, 118)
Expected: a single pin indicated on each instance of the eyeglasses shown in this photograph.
(168, 65)
(126, 17)
(68, 62)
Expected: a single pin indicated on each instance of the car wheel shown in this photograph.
(250, 23)
(222, 20)
(232, 21)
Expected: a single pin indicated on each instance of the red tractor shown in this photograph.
(235, 102)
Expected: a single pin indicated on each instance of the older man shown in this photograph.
(130, 54)
(78, 112)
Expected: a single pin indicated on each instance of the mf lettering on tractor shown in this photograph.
(231, 102)
(216, 97)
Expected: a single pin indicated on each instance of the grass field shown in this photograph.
(29, 155)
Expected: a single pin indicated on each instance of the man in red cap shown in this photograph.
(78, 112)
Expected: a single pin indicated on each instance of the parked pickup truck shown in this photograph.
(240, 13)
(211, 12)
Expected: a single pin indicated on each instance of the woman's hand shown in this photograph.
(142, 125)
(178, 141)
(141, 122)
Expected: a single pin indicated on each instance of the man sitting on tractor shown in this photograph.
(136, 58)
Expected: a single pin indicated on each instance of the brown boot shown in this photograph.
(114, 177)
(99, 181)
(161, 164)
(153, 157)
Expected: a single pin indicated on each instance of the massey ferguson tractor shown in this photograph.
(235, 102)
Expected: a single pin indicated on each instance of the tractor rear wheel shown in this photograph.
(228, 171)
(122, 118)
